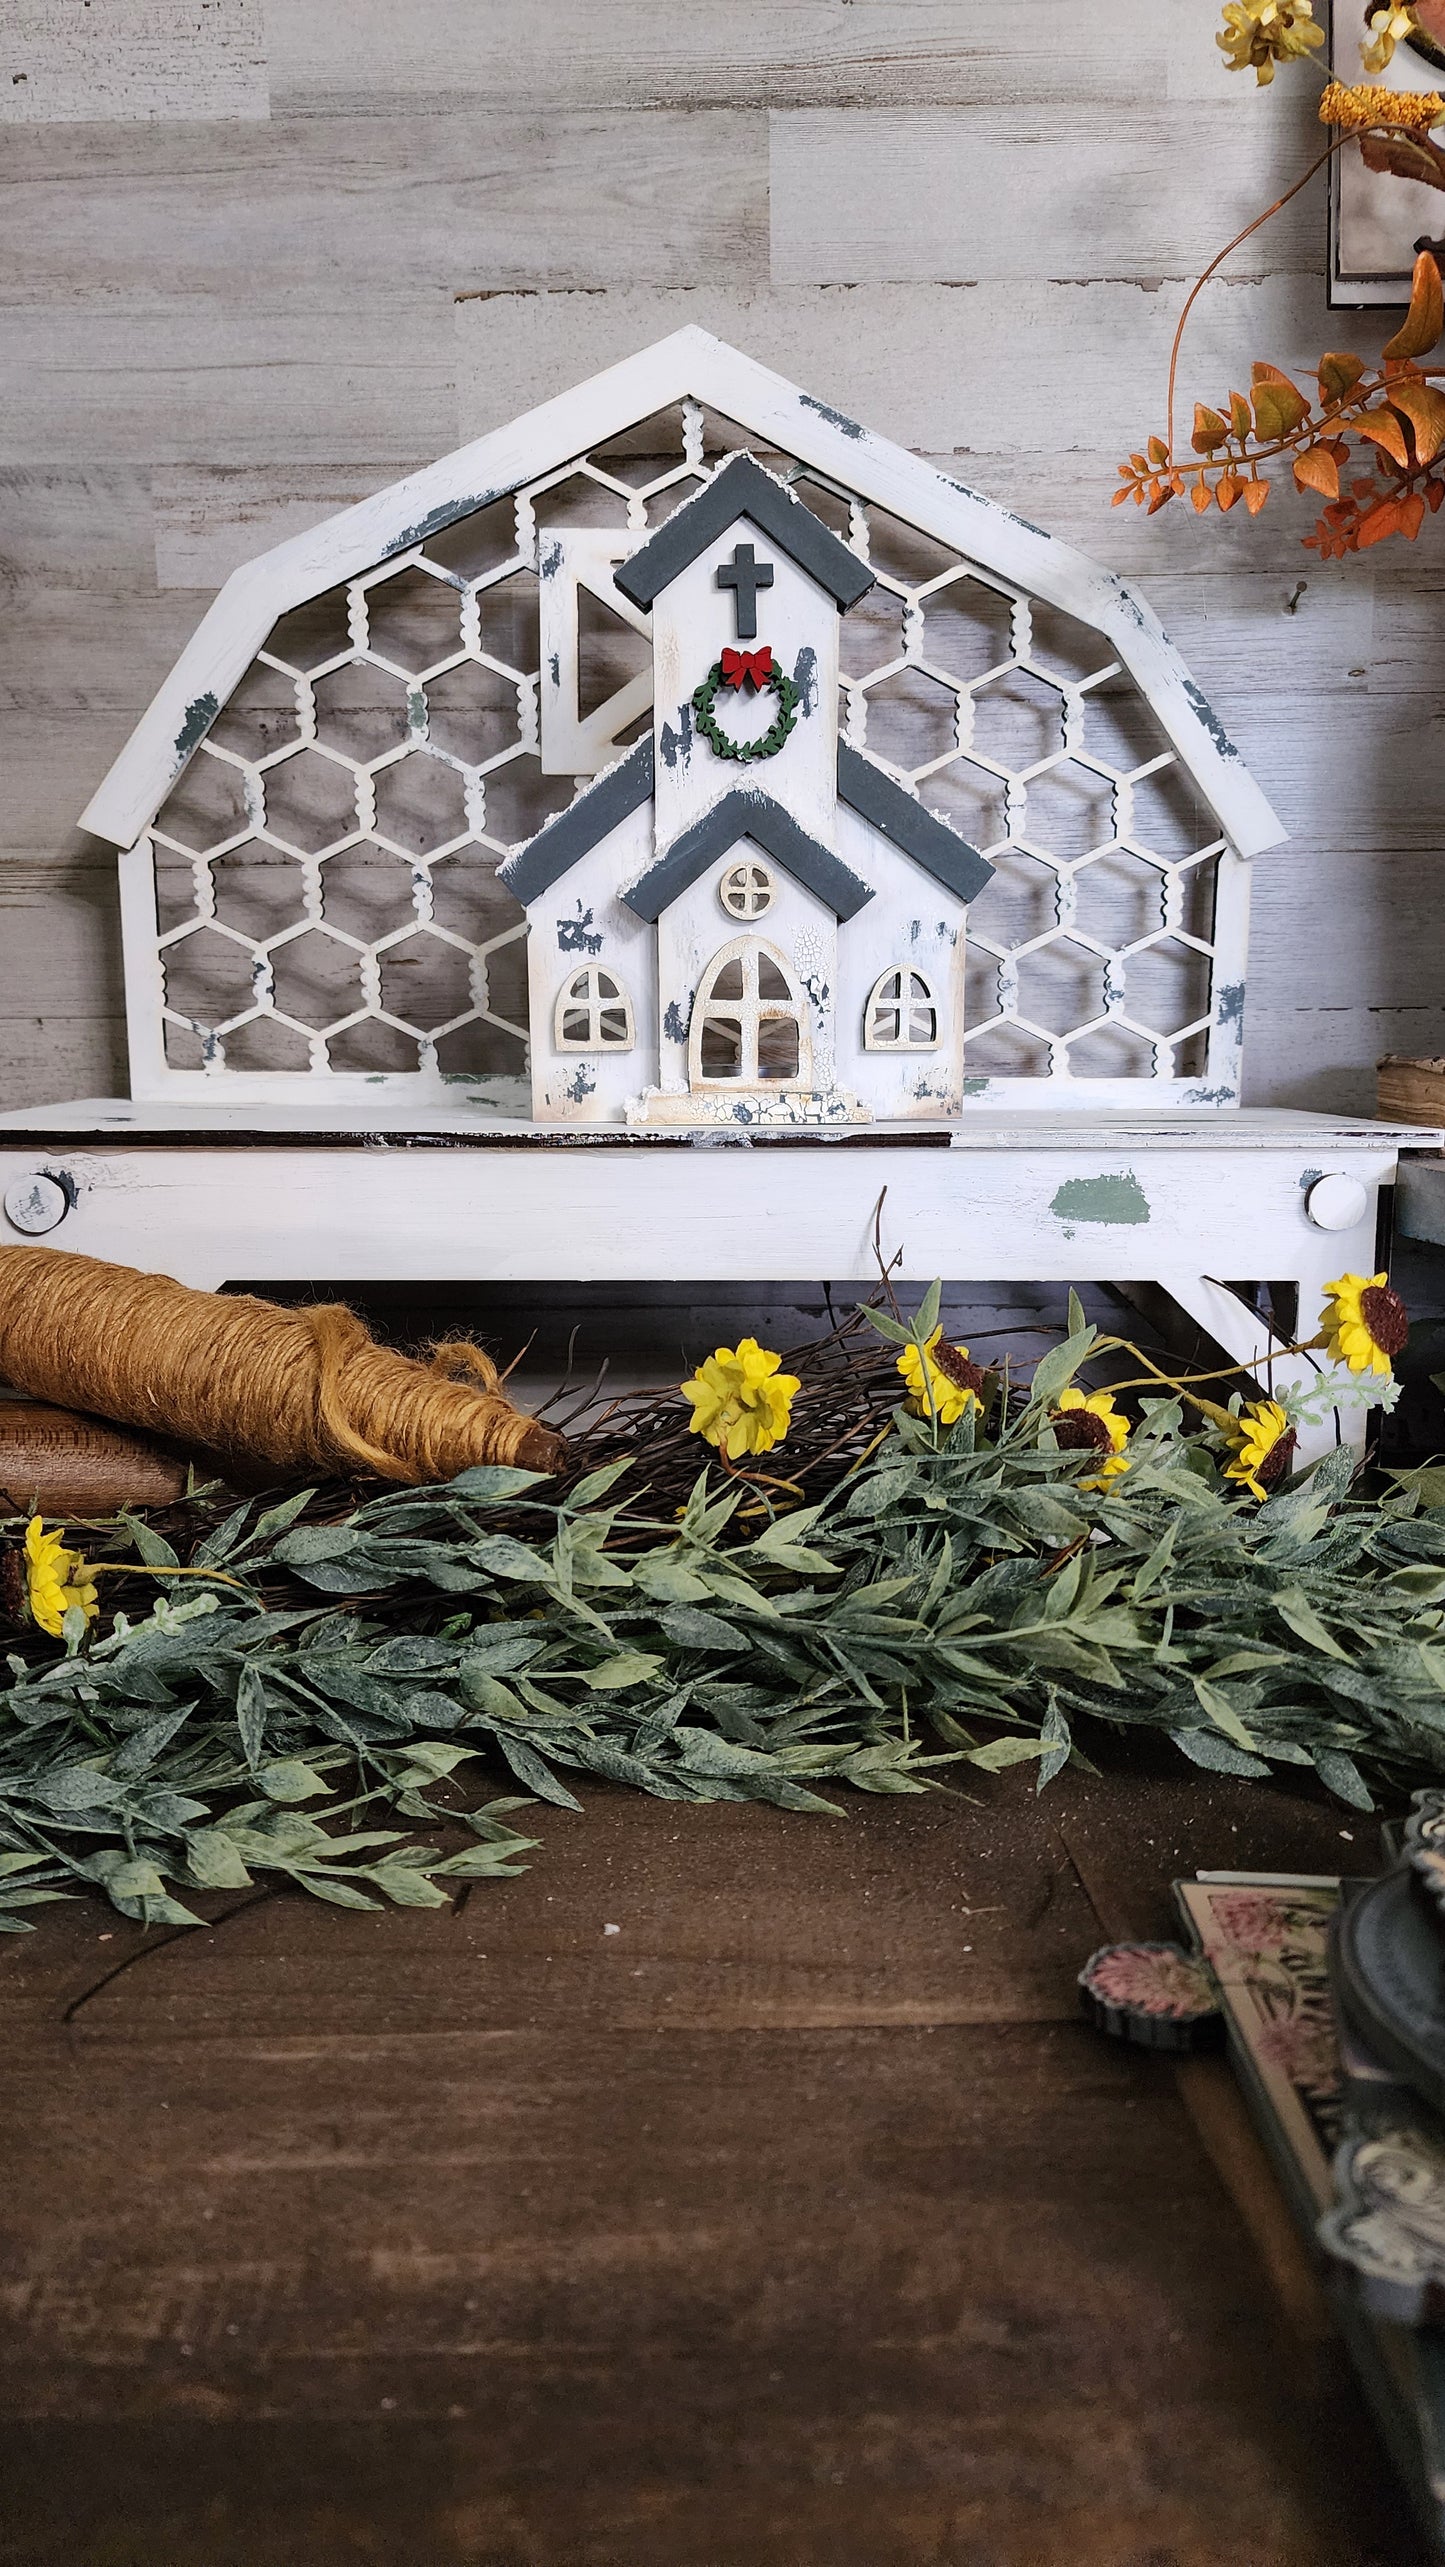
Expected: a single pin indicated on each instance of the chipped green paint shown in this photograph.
(199, 716)
(1115, 1202)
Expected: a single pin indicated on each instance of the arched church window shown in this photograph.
(594, 1013)
(748, 1023)
(901, 1015)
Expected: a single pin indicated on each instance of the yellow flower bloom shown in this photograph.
(1263, 1441)
(1388, 27)
(1081, 1421)
(55, 1579)
(953, 1382)
(1357, 110)
(1364, 1323)
(1259, 33)
(740, 1401)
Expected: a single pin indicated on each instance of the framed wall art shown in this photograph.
(1379, 220)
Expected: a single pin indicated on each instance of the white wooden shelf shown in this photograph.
(336, 1122)
(1191, 1202)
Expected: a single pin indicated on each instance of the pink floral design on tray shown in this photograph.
(1250, 1924)
(1304, 2048)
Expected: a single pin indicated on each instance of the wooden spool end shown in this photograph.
(56, 1462)
(540, 1449)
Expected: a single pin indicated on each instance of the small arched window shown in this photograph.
(594, 1013)
(901, 1015)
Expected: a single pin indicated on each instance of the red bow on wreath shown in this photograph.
(755, 666)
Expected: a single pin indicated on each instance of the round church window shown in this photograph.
(747, 891)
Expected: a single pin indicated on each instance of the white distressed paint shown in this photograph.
(583, 558)
(690, 365)
(1006, 1202)
(692, 624)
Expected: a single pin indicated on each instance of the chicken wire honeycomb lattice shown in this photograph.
(325, 870)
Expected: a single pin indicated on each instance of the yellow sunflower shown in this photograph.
(741, 1403)
(1263, 1442)
(55, 1579)
(1364, 1324)
(1259, 33)
(943, 1373)
(1091, 1422)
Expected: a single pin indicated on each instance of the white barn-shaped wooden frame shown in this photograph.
(998, 857)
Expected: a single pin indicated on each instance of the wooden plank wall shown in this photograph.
(258, 263)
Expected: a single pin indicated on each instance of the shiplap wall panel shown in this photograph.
(66, 62)
(206, 519)
(1006, 197)
(60, 1028)
(754, 53)
(1070, 375)
(217, 330)
(137, 381)
(328, 214)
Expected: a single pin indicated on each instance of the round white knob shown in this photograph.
(1337, 1203)
(36, 1204)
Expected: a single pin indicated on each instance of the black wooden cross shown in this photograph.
(746, 577)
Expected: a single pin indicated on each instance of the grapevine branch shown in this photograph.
(1389, 417)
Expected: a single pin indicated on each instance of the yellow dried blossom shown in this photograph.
(1388, 27)
(1264, 1443)
(55, 1579)
(1359, 110)
(1089, 1420)
(1364, 1323)
(1259, 33)
(949, 1385)
(741, 1403)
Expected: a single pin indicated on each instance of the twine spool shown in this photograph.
(301, 1389)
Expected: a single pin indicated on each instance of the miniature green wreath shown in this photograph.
(705, 696)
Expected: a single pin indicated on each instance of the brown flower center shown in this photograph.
(1078, 1428)
(1277, 1461)
(1386, 1318)
(955, 1367)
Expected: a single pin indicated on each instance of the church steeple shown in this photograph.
(742, 489)
(746, 589)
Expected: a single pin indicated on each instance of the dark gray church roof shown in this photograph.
(869, 790)
(743, 489)
(576, 831)
(747, 813)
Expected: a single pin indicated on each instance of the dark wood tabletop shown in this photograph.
(800, 2221)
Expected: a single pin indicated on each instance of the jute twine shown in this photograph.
(304, 1389)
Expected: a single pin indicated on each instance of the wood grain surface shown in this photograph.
(61, 1463)
(798, 2222)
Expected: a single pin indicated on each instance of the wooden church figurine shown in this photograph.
(744, 920)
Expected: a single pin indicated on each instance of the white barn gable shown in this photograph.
(327, 813)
